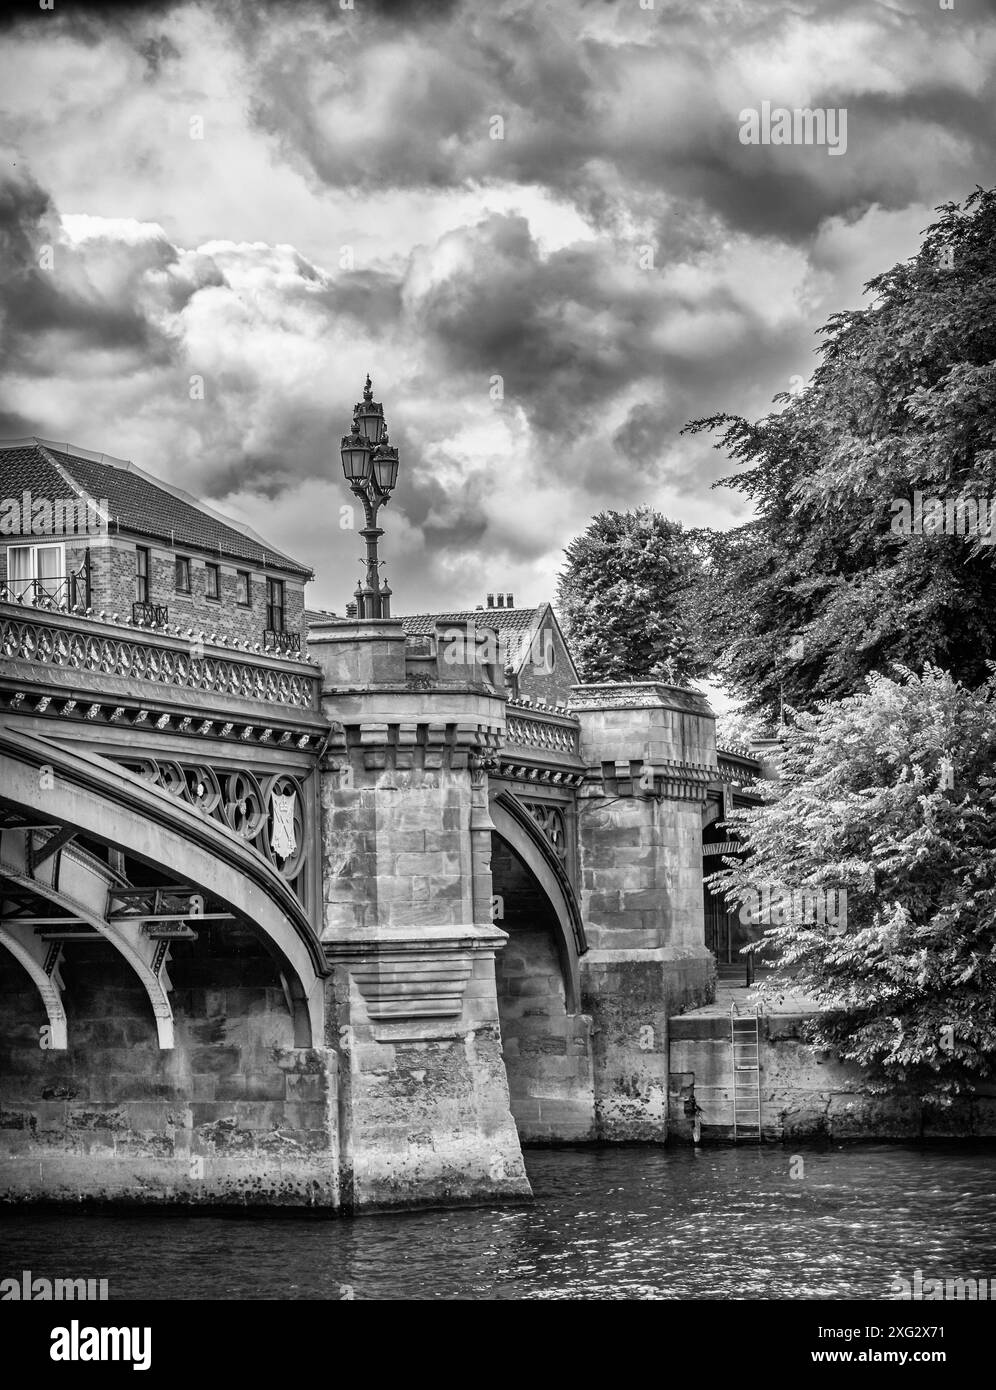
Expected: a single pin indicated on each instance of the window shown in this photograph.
(182, 574)
(36, 571)
(243, 592)
(275, 605)
(141, 574)
(212, 582)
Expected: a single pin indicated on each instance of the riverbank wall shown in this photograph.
(805, 1093)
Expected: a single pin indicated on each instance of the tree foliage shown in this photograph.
(889, 795)
(626, 598)
(819, 590)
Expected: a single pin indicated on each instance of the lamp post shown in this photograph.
(370, 467)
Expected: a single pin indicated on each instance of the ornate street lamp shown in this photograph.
(370, 467)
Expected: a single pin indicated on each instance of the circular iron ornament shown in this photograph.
(203, 788)
(245, 809)
(172, 779)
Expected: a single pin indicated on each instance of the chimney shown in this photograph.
(501, 600)
(509, 602)
(491, 600)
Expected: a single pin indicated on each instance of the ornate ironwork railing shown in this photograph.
(150, 614)
(282, 641)
(31, 640)
(270, 812)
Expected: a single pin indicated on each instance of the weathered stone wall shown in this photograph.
(805, 1094)
(423, 1102)
(547, 1049)
(651, 752)
(233, 1114)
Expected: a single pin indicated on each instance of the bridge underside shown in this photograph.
(156, 1024)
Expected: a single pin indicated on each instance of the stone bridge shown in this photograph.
(339, 930)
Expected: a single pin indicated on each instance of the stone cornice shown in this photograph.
(153, 718)
(612, 695)
(413, 979)
(668, 779)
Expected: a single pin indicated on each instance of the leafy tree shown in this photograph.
(819, 590)
(626, 599)
(890, 796)
(738, 729)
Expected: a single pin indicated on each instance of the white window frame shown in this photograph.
(34, 548)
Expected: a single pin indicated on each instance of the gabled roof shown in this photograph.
(136, 502)
(518, 625)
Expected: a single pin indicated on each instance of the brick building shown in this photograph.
(530, 648)
(90, 532)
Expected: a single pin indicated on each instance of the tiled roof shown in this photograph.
(319, 615)
(137, 503)
(508, 621)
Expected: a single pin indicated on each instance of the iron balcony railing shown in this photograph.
(63, 590)
(282, 641)
(150, 614)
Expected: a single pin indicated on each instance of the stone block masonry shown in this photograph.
(805, 1094)
(651, 754)
(547, 1048)
(424, 1117)
(234, 1114)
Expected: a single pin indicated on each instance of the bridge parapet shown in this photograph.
(48, 650)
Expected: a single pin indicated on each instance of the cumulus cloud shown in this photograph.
(535, 225)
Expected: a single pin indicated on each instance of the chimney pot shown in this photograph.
(509, 602)
(501, 600)
(491, 600)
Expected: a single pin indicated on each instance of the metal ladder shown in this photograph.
(745, 1055)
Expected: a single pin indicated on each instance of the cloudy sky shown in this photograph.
(533, 221)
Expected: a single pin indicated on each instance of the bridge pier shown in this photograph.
(424, 1115)
(651, 752)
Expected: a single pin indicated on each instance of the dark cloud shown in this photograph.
(525, 257)
(371, 104)
(36, 302)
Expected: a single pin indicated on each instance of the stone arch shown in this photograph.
(114, 807)
(514, 824)
(546, 1039)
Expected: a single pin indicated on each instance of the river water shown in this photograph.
(607, 1223)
